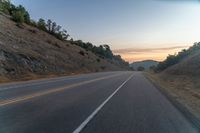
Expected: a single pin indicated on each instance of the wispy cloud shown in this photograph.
(146, 50)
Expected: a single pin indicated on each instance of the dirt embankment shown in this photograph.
(29, 53)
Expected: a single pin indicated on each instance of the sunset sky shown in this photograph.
(135, 29)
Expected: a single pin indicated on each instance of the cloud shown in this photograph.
(147, 50)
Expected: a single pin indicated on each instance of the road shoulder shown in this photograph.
(192, 116)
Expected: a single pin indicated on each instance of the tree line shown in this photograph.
(103, 51)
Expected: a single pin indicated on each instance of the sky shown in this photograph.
(135, 29)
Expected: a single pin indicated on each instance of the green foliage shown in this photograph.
(174, 59)
(19, 13)
(17, 16)
(41, 24)
(6, 7)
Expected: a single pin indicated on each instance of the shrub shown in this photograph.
(5, 7)
(81, 53)
(32, 31)
(18, 17)
(140, 68)
(98, 60)
(41, 24)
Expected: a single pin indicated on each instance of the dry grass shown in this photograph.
(32, 53)
(184, 88)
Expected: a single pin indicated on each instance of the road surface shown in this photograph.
(110, 102)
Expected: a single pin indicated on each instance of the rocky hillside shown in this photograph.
(27, 52)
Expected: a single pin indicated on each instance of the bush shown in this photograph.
(32, 31)
(140, 68)
(98, 60)
(5, 7)
(81, 53)
(18, 16)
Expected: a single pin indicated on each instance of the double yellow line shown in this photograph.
(27, 97)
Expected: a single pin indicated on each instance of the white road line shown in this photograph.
(89, 118)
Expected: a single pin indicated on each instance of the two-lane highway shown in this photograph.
(111, 102)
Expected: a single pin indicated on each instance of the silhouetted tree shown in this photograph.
(49, 25)
(53, 28)
(42, 24)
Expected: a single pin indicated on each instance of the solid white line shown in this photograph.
(84, 123)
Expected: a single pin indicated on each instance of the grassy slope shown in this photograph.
(183, 82)
(29, 53)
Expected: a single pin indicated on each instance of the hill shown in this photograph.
(27, 52)
(186, 62)
(179, 75)
(146, 64)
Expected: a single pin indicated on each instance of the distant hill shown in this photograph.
(27, 52)
(146, 64)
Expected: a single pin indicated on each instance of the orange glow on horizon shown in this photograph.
(158, 54)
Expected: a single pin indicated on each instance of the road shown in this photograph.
(109, 102)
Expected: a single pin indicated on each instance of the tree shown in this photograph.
(71, 39)
(53, 28)
(49, 25)
(18, 16)
(27, 18)
(65, 36)
(41, 24)
(58, 28)
(24, 13)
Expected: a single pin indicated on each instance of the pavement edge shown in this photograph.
(184, 110)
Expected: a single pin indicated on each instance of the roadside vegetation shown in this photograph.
(103, 51)
(176, 58)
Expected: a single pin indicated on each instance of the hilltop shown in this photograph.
(146, 64)
(27, 52)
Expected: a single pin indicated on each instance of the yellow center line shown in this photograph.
(27, 97)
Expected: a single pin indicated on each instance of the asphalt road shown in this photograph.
(111, 102)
